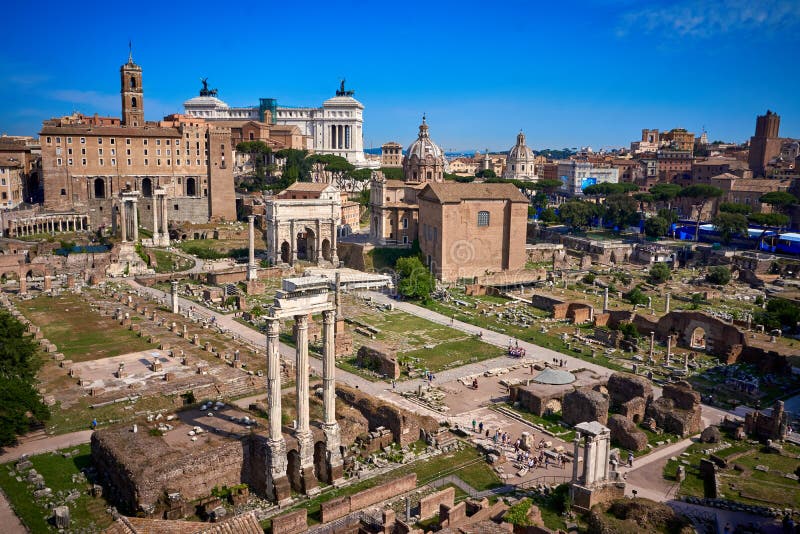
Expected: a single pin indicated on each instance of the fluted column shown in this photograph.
(577, 443)
(278, 488)
(135, 217)
(174, 296)
(589, 460)
(301, 380)
(251, 258)
(329, 367)
(156, 230)
(123, 221)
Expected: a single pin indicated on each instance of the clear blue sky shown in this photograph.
(567, 73)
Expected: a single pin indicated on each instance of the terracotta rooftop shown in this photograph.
(240, 524)
(456, 192)
(314, 187)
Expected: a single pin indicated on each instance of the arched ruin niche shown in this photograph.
(293, 471)
(698, 338)
(321, 466)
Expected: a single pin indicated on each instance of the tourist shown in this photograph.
(630, 458)
(473, 425)
(487, 433)
(94, 424)
(480, 427)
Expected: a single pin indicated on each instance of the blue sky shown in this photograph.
(567, 73)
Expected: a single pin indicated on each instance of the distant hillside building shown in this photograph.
(578, 175)
(521, 161)
(392, 154)
(765, 144)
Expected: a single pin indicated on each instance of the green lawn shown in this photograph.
(452, 353)
(166, 262)
(548, 422)
(86, 513)
(80, 333)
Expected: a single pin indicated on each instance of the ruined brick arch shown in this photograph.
(720, 337)
(30, 272)
(9, 275)
(321, 464)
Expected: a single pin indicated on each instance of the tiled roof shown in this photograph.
(457, 192)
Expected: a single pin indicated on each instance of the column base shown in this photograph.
(309, 483)
(281, 491)
(278, 487)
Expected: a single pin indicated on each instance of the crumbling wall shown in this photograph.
(379, 358)
(584, 405)
(336, 508)
(623, 387)
(405, 426)
(625, 433)
(678, 409)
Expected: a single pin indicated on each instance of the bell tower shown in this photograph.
(132, 93)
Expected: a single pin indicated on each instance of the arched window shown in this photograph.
(133, 82)
(191, 187)
(483, 218)
(99, 188)
(133, 102)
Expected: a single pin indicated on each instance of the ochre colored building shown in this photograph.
(468, 230)
(87, 161)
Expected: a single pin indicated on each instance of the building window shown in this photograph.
(129, 161)
(83, 140)
(69, 140)
(405, 240)
(58, 162)
(58, 151)
(99, 140)
(145, 161)
(128, 152)
(145, 142)
(58, 140)
(69, 161)
(99, 151)
(405, 224)
(483, 218)
(63, 192)
(127, 141)
(158, 152)
(145, 152)
(112, 141)
(69, 151)
(113, 162)
(113, 151)
(49, 140)
(101, 162)
(158, 142)
(177, 162)
(83, 162)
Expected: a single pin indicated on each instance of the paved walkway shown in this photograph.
(646, 475)
(38, 443)
(8, 519)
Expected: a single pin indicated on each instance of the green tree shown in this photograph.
(577, 214)
(621, 210)
(21, 406)
(669, 215)
(700, 194)
(778, 220)
(296, 166)
(415, 280)
(636, 296)
(730, 224)
(719, 275)
(259, 154)
(486, 173)
(606, 189)
(780, 313)
(464, 179)
(656, 227)
(730, 207)
(548, 215)
(779, 200)
(660, 273)
(547, 186)
(665, 193)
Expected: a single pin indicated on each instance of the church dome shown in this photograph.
(424, 160)
(424, 145)
(521, 161)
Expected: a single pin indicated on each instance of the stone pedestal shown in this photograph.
(277, 486)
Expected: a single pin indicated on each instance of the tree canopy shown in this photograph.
(548, 186)
(577, 214)
(780, 200)
(607, 189)
(415, 280)
(22, 406)
(621, 210)
(656, 227)
(778, 220)
(665, 192)
(731, 207)
(719, 275)
(486, 173)
(660, 273)
(701, 194)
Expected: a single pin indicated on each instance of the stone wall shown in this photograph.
(584, 405)
(534, 401)
(405, 426)
(625, 433)
(379, 358)
(429, 506)
(678, 410)
(290, 523)
(623, 387)
(340, 507)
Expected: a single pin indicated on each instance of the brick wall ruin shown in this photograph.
(340, 507)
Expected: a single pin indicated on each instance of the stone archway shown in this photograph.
(99, 188)
(293, 471)
(321, 465)
(286, 252)
(698, 338)
(191, 187)
(147, 188)
(326, 249)
(306, 245)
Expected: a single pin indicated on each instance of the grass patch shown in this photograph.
(167, 262)
(550, 422)
(86, 513)
(80, 333)
(448, 354)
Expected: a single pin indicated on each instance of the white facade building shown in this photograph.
(521, 162)
(578, 175)
(335, 128)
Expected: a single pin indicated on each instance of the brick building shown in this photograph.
(468, 230)
(674, 165)
(703, 171)
(392, 154)
(11, 173)
(87, 161)
(765, 144)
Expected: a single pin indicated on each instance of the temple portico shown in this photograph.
(301, 468)
(160, 219)
(129, 216)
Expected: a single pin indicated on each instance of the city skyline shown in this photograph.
(581, 75)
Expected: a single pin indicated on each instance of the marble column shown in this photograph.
(329, 425)
(305, 440)
(669, 349)
(123, 221)
(652, 344)
(174, 296)
(156, 229)
(666, 304)
(589, 460)
(135, 217)
(278, 487)
(605, 300)
(575, 456)
(252, 273)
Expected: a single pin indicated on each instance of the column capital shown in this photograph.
(301, 321)
(273, 326)
(328, 316)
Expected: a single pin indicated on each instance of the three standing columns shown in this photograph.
(278, 486)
